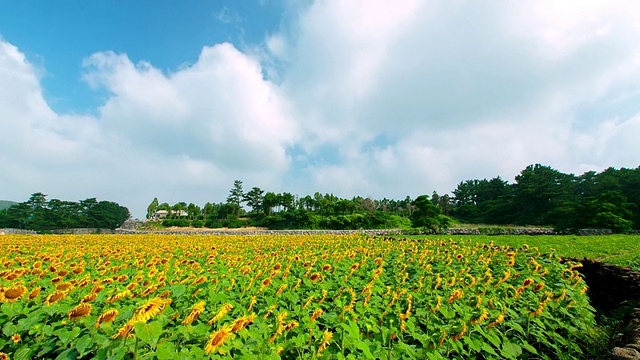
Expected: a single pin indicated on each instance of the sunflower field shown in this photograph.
(285, 297)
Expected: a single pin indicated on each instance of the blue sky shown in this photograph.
(131, 100)
(168, 34)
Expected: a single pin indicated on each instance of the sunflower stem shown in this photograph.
(135, 349)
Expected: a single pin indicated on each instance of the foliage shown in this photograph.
(289, 297)
(5, 204)
(427, 215)
(176, 223)
(236, 194)
(152, 208)
(542, 195)
(41, 214)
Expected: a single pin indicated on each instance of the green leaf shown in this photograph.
(149, 333)
(364, 348)
(9, 329)
(473, 344)
(510, 350)
(449, 314)
(119, 353)
(48, 346)
(486, 347)
(31, 320)
(525, 345)
(495, 340)
(166, 350)
(11, 309)
(67, 336)
(514, 325)
(84, 344)
(22, 353)
(70, 354)
(178, 290)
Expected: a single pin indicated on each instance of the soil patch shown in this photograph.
(614, 291)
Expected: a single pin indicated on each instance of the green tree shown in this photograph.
(108, 215)
(152, 208)
(286, 200)
(253, 198)
(193, 211)
(538, 191)
(269, 201)
(427, 215)
(610, 210)
(235, 197)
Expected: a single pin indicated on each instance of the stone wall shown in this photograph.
(83, 231)
(131, 224)
(7, 231)
(262, 232)
(585, 232)
(488, 231)
(131, 229)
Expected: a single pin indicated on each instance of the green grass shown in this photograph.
(622, 250)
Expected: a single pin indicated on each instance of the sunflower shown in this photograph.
(119, 296)
(89, 297)
(123, 331)
(497, 321)
(459, 336)
(539, 286)
(55, 296)
(64, 286)
(353, 300)
(242, 322)
(456, 294)
(316, 314)
(306, 304)
(483, 316)
(221, 313)
(147, 311)
(217, 339)
(527, 282)
(195, 312)
(281, 289)
(106, 317)
(326, 338)
(438, 304)
(34, 293)
(14, 293)
(292, 325)
(324, 296)
(79, 311)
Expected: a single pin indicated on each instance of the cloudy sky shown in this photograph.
(131, 100)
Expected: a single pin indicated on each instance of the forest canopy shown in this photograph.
(540, 196)
(41, 214)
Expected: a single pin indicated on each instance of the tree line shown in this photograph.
(41, 214)
(540, 196)
(257, 207)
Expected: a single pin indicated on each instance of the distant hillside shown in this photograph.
(5, 204)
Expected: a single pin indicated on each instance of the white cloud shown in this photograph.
(460, 90)
(372, 98)
(189, 133)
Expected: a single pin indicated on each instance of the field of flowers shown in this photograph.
(289, 297)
